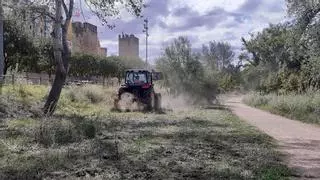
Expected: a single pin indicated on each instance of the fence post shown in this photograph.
(27, 78)
(12, 79)
(1, 83)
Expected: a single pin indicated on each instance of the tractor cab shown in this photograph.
(141, 78)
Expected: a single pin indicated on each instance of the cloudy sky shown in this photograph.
(200, 20)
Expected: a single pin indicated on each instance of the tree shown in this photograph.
(218, 55)
(45, 62)
(18, 47)
(86, 65)
(304, 11)
(307, 32)
(185, 74)
(102, 8)
(269, 47)
(83, 65)
(108, 67)
(268, 52)
(281, 59)
(219, 58)
(1, 47)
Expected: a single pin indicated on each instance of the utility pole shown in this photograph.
(146, 31)
(1, 46)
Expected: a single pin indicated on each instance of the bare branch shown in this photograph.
(104, 9)
(66, 11)
(42, 10)
(70, 9)
(68, 14)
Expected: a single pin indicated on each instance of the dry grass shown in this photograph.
(303, 107)
(85, 140)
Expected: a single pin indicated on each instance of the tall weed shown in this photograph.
(304, 107)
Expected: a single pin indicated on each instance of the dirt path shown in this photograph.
(300, 141)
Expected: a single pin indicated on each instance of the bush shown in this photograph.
(95, 94)
(88, 93)
(255, 99)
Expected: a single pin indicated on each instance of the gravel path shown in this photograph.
(300, 141)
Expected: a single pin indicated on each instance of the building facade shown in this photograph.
(83, 38)
(103, 51)
(128, 46)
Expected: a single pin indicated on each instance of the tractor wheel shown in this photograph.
(151, 102)
(157, 102)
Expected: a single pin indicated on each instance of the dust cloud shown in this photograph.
(168, 102)
(175, 103)
(127, 103)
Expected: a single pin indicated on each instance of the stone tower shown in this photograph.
(128, 45)
(84, 38)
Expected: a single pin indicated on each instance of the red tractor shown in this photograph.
(139, 84)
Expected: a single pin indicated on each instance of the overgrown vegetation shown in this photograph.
(284, 58)
(86, 140)
(23, 52)
(304, 107)
(283, 64)
(198, 75)
(60, 13)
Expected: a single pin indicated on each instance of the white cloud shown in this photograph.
(203, 6)
(235, 22)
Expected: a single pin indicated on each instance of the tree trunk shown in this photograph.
(60, 77)
(2, 64)
(55, 92)
(5, 68)
(61, 55)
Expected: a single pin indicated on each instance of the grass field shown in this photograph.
(304, 107)
(84, 139)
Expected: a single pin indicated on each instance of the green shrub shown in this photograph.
(255, 99)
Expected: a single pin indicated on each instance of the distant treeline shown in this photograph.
(27, 54)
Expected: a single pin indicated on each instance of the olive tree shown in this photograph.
(185, 74)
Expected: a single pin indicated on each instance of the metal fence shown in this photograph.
(40, 79)
(20, 79)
